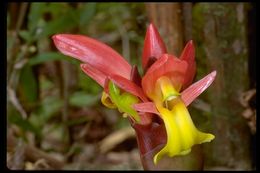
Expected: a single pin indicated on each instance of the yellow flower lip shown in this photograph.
(181, 132)
(167, 90)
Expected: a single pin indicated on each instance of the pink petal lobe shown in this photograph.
(167, 65)
(153, 45)
(93, 52)
(188, 55)
(128, 86)
(192, 92)
(146, 107)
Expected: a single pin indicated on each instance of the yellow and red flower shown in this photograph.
(156, 104)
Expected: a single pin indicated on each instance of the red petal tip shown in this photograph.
(97, 54)
(151, 27)
(56, 37)
(214, 73)
(193, 91)
(153, 45)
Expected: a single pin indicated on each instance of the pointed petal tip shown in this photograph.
(64, 37)
(208, 138)
(193, 91)
(151, 26)
(93, 52)
(57, 36)
(53, 37)
(214, 73)
(153, 45)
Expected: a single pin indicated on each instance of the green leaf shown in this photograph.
(86, 13)
(35, 14)
(26, 35)
(81, 99)
(56, 9)
(62, 24)
(28, 84)
(50, 106)
(23, 123)
(50, 56)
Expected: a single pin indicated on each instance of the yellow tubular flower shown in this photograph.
(181, 132)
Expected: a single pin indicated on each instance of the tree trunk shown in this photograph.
(221, 44)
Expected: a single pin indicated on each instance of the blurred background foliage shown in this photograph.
(52, 104)
(54, 115)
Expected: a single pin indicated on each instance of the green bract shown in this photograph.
(123, 101)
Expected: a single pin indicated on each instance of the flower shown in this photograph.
(163, 85)
(164, 91)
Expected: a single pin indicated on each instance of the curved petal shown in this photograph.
(169, 66)
(95, 74)
(150, 137)
(93, 52)
(146, 107)
(188, 55)
(181, 132)
(128, 86)
(153, 45)
(197, 88)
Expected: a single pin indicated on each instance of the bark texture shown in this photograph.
(221, 44)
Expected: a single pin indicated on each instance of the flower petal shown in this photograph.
(167, 65)
(191, 93)
(188, 55)
(146, 107)
(95, 74)
(149, 137)
(153, 45)
(128, 86)
(181, 132)
(93, 52)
